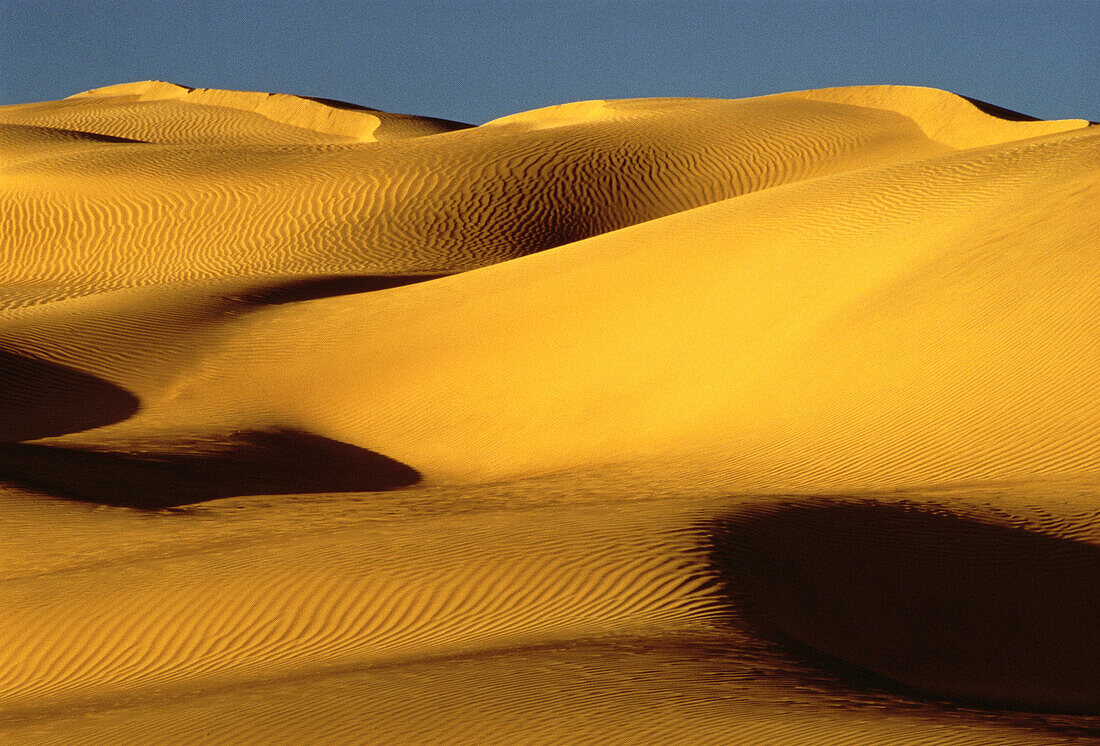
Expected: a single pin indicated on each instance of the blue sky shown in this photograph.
(473, 61)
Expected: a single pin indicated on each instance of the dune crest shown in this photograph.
(768, 420)
(945, 117)
(156, 111)
(257, 204)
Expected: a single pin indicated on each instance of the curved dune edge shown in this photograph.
(944, 117)
(661, 421)
(472, 198)
(321, 115)
(118, 109)
(921, 296)
(990, 614)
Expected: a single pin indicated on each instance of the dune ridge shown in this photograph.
(450, 202)
(158, 112)
(657, 420)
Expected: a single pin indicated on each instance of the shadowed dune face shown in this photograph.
(254, 463)
(313, 288)
(944, 606)
(40, 399)
(1000, 112)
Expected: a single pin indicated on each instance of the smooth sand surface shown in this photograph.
(651, 421)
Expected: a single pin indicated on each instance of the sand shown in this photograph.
(769, 420)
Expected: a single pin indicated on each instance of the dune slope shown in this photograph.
(662, 420)
(138, 213)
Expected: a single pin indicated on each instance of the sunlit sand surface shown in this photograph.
(770, 420)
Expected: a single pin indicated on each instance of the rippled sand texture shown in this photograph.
(652, 421)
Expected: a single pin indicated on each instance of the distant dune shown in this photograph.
(770, 420)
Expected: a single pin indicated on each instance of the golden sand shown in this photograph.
(769, 420)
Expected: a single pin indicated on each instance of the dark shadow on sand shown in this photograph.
(338, 104)
(313, 288)
(171, 475)
(919, 602)
(1000, 112)
(40, 399)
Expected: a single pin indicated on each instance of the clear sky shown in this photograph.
(476, 60)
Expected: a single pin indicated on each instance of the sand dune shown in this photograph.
(662, 420)
(149, 213)
(159, 112)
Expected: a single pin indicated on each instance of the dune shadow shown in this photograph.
(171, 475)
(1000, 112)
(40, 399)
(919, 602)
(338, 104)
(313, 288)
